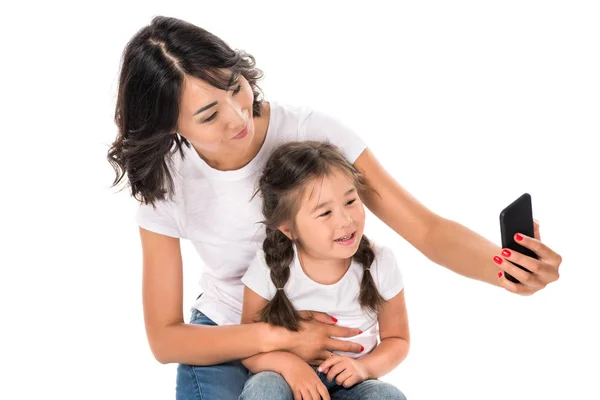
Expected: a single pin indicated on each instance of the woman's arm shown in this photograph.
(173, 341)
(446, 242)
(395, 339)
(170, 339)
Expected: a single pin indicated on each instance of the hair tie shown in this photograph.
(367, 269)
(279, 288)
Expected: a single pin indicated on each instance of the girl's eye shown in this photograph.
(326, 213)
(350, 202)
(237, 89)
(213, 116)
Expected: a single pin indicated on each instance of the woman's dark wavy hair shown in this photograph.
(287, 172)
(153, 67)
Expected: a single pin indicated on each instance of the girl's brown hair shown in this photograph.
(287, 172)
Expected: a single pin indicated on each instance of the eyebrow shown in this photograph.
(328, 202)
(232, 79)
(214, 103)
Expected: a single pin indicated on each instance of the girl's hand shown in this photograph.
(346, 371)
(313, 342)
(304, 382)
(543, 271)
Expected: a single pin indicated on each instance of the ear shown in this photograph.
(285, 229)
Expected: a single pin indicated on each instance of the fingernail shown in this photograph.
(320, 369)
(362, 348)
(506, 253)
(518, 237)
(497, 260)
(334, 319)
(359, 331)
(499, 274)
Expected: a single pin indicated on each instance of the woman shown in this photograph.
(193, 135)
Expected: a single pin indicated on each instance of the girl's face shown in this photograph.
(218, 123)
(331, 218)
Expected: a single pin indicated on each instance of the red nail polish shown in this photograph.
(334, 319)
(500, 274)
(506, 253)
(497, 260)
(362, 348)
(518, 237)
(359, 332)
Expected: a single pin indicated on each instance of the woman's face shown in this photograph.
(218, 123)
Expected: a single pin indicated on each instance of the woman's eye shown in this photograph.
(326, 213)
(350, 202)
(237, 89)
(213, 116)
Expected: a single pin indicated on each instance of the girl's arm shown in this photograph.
(395, 338)
(446, 242)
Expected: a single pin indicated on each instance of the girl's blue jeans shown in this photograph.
(229, 381)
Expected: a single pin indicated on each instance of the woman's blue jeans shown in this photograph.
(212, 382)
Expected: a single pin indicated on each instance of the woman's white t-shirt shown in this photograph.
(340, 300)
(215, 210)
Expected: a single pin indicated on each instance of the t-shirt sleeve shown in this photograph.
(322, 127)
(389, 276)
(258, 277)
(159, 218)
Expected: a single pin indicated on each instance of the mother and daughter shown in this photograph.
(293, 310)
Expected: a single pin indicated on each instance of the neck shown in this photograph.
(325, 271)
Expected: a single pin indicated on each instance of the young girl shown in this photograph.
(315, 257)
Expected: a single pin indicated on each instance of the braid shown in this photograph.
(369, 296)
(279, 254)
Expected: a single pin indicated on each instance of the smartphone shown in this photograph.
(517, 218)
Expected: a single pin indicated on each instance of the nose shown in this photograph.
(346, 219)
(236, 120)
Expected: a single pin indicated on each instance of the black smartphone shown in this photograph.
(517, 218)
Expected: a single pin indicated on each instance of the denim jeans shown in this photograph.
(212, 382)
(272, 386)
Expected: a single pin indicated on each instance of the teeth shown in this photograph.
(344, 238)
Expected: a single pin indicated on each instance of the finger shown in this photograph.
(341, 345)
(331, 361)
(335, 370)
(305, 394)
(318, 316)
(522, 276)
(351, 381)
(539, 248)
(533, 265)
(323, 392)
(342, 331)
(314, 393)
(325, 355)
(514, 287)
(297, 394)
(341, 378)
(536, 230)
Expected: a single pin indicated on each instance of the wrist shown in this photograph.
(365, 365)
(274, 338)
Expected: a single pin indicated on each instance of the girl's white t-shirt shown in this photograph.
(215, 210)
(340, 299)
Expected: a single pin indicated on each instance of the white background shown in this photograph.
(468, 104)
